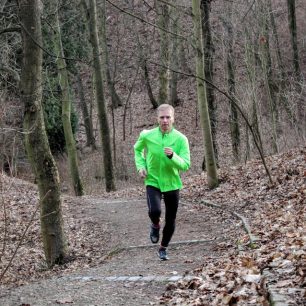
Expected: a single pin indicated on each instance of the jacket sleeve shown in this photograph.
(182, 158)
(139, 147)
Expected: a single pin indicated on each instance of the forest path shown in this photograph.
(129, 276)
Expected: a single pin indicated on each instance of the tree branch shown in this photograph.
(46, 51)
(235, 102)
(10, 30)
(246, 226)
(145, 21)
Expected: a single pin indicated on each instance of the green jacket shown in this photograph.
(162, 172)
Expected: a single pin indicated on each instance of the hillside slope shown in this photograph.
(274, 213)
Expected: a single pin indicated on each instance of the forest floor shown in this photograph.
(242, 243)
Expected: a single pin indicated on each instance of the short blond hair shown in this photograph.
(165, 107)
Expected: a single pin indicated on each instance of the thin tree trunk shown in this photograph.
(266, 64)
(104, 126)
(282, 84)
(66, 101)
(210, 162)
(276, 41)
(36, 140)
(231, 83)
(91, 142)
(144, 66)
(293, 35)
(148, 84)
(173, 99)
(163, 23)
(143, 52)
(209, 51)
(251, 70)
(116, 101)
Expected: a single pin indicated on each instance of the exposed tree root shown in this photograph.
(253, 239)
(119, 249)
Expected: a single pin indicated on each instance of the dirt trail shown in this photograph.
(132, 276)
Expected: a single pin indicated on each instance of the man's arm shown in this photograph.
(182, 159)
(140, 161)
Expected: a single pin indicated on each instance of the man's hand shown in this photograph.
(168, 152)
(142, 173)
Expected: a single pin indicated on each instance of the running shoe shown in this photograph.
(162, 254)
(154, 233)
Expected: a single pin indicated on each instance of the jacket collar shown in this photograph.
(166, 133)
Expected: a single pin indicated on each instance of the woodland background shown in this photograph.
(254, 55)
(258, 46)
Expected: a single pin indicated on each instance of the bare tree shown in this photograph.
(36, 141)
(91, 142)
(209, 51)
(163, 23)
(66, 100)
(266, 65)
(116, 101)
(231, 83)
(210, 162)
(174, 56)
(91, 11)
(293, 33)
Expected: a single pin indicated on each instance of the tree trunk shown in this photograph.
(36, 141)
(148, 84)
(276, 41)
(144, 66)
(173, 99)
(66, 101)
(116, 101)
(293, 34)
(251, 71)
(283, 82)
(91, 142)
(104, 126)
(231, 83)
(266, 64)
(209, 51)
(163, 23)
(210, 162)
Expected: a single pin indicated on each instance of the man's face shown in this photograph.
(165, 120)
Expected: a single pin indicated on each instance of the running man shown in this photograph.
(160, 154)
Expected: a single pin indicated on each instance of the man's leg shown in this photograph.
(171, 199)
(154, 210)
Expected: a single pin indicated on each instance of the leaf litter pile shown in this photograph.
(276, 215)
(274, 212)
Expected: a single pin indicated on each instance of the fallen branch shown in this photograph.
(119, 249)
(144, 246)
(244, 221)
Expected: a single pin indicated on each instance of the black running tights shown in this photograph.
(171, 199)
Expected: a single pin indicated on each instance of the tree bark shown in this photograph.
(144, 66)
(209, 51)
(103, 120)
(251, 71)
(91, 142)
(266, 65)
(210, 162)
(231, 83)
(116, 101)
(293, 35)
(66, 101)
(276, 41)
(173, 97)
(163, 23)
(36, 141)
